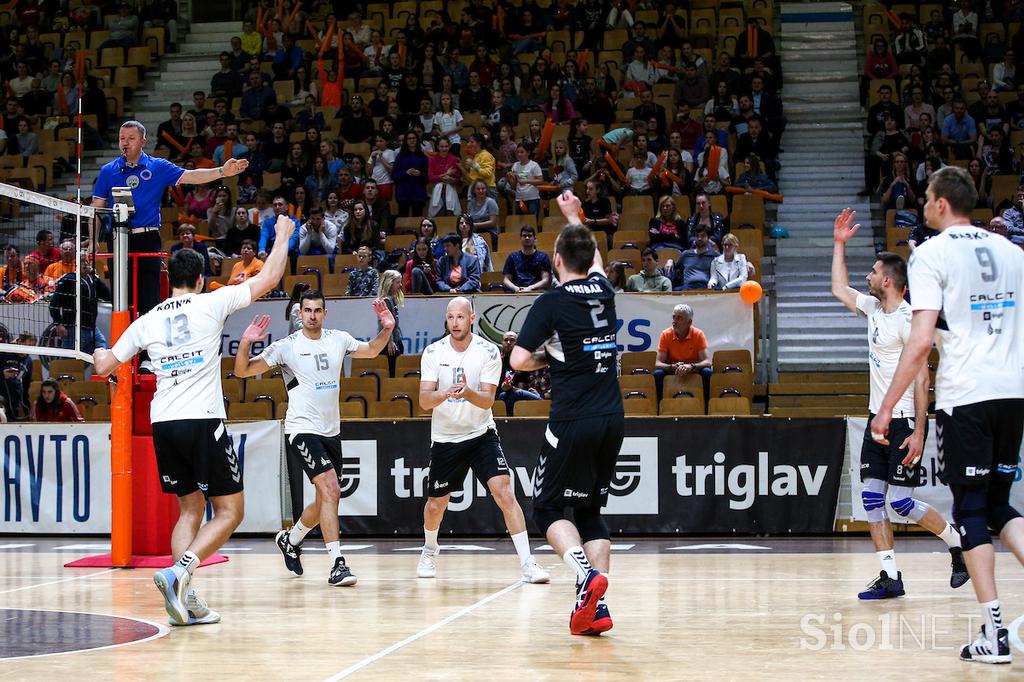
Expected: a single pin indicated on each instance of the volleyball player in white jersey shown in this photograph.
(890, 471)
(312, 360)
(965, 290)
(193, 454)
(458, 378)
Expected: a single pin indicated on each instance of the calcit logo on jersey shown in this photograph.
(1003, 299)
(593, 343)
(325, 385)
(175, 363)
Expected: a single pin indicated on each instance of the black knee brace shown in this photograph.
(1000, 512)
(590, 524)
(971, 516)
(545, 516)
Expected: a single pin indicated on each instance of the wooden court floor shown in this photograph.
(683, 609)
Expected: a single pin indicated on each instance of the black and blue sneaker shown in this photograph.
(960, 576)
(884, 587)
(290, 552)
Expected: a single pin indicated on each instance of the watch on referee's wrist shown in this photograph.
(220, 169)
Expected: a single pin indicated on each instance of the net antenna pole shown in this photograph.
(121, 403)
(78, 231)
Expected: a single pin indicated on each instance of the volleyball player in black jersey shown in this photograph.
(572, 329)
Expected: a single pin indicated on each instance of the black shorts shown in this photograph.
(979, 440)
(195, 454)
(885, 462)
(577, 462)
(449, 463)
(313, 453)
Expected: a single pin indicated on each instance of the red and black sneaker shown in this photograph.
(588, 595)
(602, 620)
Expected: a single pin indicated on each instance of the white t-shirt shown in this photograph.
(312, 372)
(887, 334)
(457, 420)
(380, 174)
(974, 279)
(447, 121)
(183, 337)
(529, 171)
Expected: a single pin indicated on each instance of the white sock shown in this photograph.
(298, 533)
(186, 564)
(430, 539)
(993, 617)
(334, 549)
(577, 561)
(950, 536)
(888, 560)
(522, 543)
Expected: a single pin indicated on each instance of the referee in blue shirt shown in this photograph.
(147, 177)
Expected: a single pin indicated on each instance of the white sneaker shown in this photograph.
(198, 612)
(427, 567)
(987, 649)
(533, 573)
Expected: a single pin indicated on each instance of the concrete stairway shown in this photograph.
(181, 74)
(822, 173)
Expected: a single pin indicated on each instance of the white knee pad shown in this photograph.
(903, 503)
(873, 498)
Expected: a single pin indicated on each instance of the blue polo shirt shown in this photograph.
(958, 131)
(148, 179)
(268, 236)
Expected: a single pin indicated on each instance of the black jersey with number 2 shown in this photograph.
(575, 324)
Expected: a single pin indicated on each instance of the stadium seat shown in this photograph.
(677, 386)
(398, 409)
(723, 359)
(407, 365)
(731, 406)
(250, 411)
(637, 362)
(273, 388)
(492, 282)
(531, 408)
(732, 383)
(352, 409)
(637, 382)
(683, 406)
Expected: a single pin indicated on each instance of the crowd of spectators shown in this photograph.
(356, 125)
(946, 89)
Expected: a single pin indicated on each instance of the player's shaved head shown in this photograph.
(460, 304)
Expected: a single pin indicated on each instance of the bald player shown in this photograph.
(459, 376)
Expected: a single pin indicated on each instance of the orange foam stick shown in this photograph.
(657, 165)
(259, 17)
(174, 143)
(549, 188)
(732, 189)
(280, 10)
(581, 61)
(327, 39)
(546, 132)
(615, 168)
(312, 33)
(177, 196)
(291, 17)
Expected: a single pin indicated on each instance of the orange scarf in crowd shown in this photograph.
(714, 160)
(751, 41)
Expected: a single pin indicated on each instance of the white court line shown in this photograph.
(161, 630)
(1015, 633)
(55, 582)
(422, 633)
(88, 547)
(15, 546)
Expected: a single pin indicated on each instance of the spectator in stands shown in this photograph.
(457, 271)
(880, 64)
(363, 230)
(379, 208)
(882, 148)
(267, 233)
(965, 29)
(245, 269)
(912, 112)
(523, 178)
(443, 171)
(231, 147)
(919, 235)
(53, 405)
(241, 230)
(483, 209)
(691, 88)
(15, 377)
(768, 106)
(682, 349)
(597, 210)
(755, 42)
(515, 386)
(21, 83)
(286, 59)
(910, 44)
(760, 143)
(615, 271)
(959, 131)
(711, 177)
(124, 28)
(995, 153)
(991, 115)
(62, 306)
(1014, 215)
(527, 269)
(13, 271)
(594, 105)
(754, 177)
(649, 279)
(712, 221)
(34, 278)
(472, 243)
(731, 269)
(252, 40)
(319, 183)
(667, 230)
(187, 240)
(318, 236)
(254, 98)
(45, 253)
(421, 269)
(410, 176)
(693, 269)
(1004, 74)
(173, 127)
(226, 82)
(28, 141)
(363, 280)
(66, 263)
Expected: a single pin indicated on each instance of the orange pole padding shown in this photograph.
(613, 164)
(121, 453)
(174, 143)
(657, 166)
(291, 17)
(732, 189)
(546, 133)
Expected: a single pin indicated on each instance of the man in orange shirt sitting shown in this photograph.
(34, 279)
(66, 263)
(244, 269)
(682, 349)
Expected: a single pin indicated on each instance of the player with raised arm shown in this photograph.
(572, 328)
(459, 376)
(194, 457)
(965, 287)
(889, 473)
(312, 360)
